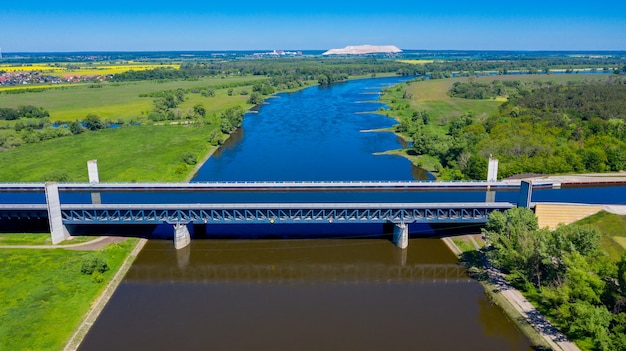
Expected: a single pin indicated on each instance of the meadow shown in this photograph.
(53, 294)
(141, 153)
(122, 101)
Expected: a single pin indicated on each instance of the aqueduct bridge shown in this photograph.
(62, 216)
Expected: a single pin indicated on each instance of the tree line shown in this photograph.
(280, 71)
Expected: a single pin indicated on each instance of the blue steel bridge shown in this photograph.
(62, 216)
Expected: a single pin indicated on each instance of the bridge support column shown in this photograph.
(181, 236)
(401, 235)
(58, 231)
(525, 194)
(94, 178)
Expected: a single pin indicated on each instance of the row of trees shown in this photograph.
(26, 111)
(29, 132)
(565, 273)
(289, 73)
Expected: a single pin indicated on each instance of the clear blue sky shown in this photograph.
(113, 25)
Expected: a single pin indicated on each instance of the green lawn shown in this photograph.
(43, 310)
(142, 153)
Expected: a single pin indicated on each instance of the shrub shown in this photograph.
(93, 263)
(55, 176)
(189, 158)
(182, 168)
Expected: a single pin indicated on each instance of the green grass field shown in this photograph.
(142, 153)
(43, 310)
(120, 100)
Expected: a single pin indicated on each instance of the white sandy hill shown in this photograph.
(363, 49)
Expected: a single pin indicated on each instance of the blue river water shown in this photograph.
(314, 134)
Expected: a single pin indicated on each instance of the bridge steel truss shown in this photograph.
(280, 213)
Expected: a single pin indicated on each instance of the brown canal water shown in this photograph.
(304, 294)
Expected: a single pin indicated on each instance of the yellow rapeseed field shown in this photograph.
(416, 62)
(84, 69)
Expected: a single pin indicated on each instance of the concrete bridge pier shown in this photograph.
(58, 231)
(182, 238)
(401, 235)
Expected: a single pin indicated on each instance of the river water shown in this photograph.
(337, 291)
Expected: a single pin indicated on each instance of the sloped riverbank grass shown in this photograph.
(44, 294)
(142, 153)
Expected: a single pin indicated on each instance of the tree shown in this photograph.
(590, 321)
(8, 114)
(199, 110)
(93, 122)
(255, 98)
(76, 127)
(509, 235)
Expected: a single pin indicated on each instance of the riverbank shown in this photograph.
(541, 333)
(55, 308)
(100, 302)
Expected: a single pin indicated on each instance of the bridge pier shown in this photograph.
(182, 238)
(401, 235)
(525, 194)
(58, 231)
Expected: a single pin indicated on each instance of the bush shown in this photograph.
(189, 158)
(182, 168)
(55, 176)
(97, 277)
(93, 263)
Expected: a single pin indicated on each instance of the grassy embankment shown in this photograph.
(44, 294)
(612, 241)
(432, 96)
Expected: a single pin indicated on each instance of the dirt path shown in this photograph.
(91, 245)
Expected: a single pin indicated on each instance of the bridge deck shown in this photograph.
(275, 186)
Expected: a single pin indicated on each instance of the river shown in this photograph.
(340, 291)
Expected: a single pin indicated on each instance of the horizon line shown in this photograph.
(292, 50)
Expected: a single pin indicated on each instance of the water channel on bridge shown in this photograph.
(357, 293)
